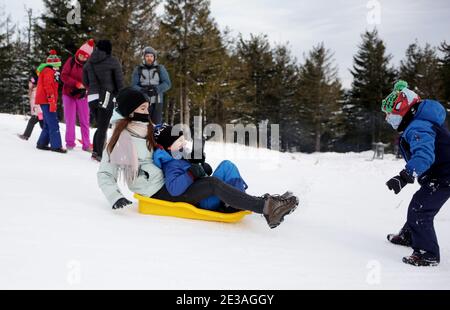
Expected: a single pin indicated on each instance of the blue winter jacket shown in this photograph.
(178, 179)
(425, 144)
(176, 175)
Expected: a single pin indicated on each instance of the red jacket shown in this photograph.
(72, 76)
(47, 89)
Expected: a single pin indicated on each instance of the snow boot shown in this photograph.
(60, 150)
(421, 259)
(23, 137)
(95, 157)
(403, 238)
(277, 207)
(286, 195)
(43, 147)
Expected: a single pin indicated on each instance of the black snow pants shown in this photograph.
(30, 126)
(102, 118)
(211, 186)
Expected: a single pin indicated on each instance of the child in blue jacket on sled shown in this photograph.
(425, 145)
(181, 173)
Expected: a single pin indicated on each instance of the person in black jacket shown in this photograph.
(103, 77)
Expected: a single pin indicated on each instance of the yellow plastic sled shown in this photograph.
(150, 206)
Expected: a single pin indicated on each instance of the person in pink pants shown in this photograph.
(75, 97)
(74, 107)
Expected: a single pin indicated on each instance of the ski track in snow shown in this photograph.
(58, 231)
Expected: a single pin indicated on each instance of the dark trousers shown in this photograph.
(211, 186)
(156, 111)
(424, 206)
(30, 126)
(50, 133)
(102, 118)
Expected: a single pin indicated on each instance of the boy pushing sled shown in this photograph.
(425, 145)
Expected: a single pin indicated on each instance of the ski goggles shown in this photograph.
(387, 105)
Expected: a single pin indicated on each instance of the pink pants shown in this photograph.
(72, 108)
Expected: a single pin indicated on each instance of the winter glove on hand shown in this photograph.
(197, 171)
(121, 203)
(397, 183)
(151, 91)
(207, 168)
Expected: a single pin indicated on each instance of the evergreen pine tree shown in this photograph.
(421, 69)
(58, 29)
(373, 80)
(131, 25)
(255, 75)
(8, 69)
(320, 95)
(445, 74)
(190, 39)
(285, 110)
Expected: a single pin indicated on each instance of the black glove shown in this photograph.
(121, 203)
(79, 93)
(151, 91)
(207, 168)
(397, 183)
(197, 171)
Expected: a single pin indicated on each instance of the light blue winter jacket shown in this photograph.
(149, 181)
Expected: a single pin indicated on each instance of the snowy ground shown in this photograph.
(57, 230)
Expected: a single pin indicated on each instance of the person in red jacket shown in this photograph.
(47, 98)
(75, 97)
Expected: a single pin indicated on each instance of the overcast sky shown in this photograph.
(337, 23)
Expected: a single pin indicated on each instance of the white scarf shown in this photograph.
(125, 155)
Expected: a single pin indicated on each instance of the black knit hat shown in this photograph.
(105, 46)
(163, 136)
(128, 100)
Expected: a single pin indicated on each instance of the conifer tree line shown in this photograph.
(225, 79)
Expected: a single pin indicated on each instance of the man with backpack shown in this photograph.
(153, 80)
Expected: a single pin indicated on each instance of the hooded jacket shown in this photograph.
(47, 88)
(102, 73)
(71, 76)
(425, 144)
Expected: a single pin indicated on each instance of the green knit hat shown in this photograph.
(388, 103)
(53, 59)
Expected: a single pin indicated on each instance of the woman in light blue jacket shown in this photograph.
(128, 157)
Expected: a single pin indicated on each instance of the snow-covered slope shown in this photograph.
(57, 230)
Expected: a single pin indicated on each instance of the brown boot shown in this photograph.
(277, 207)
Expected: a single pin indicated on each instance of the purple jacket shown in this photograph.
(71, 76)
